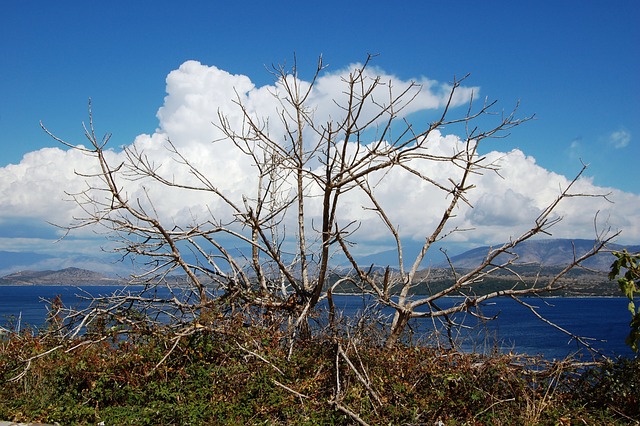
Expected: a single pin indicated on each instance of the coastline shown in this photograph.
(122, 284)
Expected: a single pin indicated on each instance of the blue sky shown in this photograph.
(575, 64)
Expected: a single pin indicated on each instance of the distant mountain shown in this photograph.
(410, 250)
(68, 276)
(547, 253)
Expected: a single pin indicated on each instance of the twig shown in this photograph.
(623, 415)
(578, 339)
(261, 358)
(86, 342)
(28, 361)
(362, 380)
(493, 405)
(348, 412)
(287, 388)
(175, 344)
(23, 373)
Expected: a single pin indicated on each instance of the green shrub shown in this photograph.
(210, 378)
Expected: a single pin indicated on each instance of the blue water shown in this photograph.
(603, 321)
(606, 320)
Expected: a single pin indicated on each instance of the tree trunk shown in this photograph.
(400, 321)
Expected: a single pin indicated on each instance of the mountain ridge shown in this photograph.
(545, 253)
(534, 255)
(66, 276)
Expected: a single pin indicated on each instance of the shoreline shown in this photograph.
(122, 285)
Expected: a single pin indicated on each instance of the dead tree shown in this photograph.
(274, 248)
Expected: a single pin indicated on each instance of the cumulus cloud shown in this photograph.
(501, 206)
(620, 138)
(503, 209)
(35, 188)
(508, 203)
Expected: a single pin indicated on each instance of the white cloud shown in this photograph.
(620, 138)
(432, 95)
(35, 188)
(505, 209)
(507, 204)
(504, 204)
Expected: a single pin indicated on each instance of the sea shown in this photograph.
(604, 322)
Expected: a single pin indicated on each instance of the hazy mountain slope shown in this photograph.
(546, 253)
(68, 276)
(552, 252)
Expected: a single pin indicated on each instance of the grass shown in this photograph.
(250, 376)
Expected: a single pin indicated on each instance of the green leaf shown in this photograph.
(615, 269)
(633, 339)
(628, 284)
(627, 287)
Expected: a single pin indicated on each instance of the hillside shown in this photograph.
(546, 253)
(538, 259)
(579, 282)
(68, 276)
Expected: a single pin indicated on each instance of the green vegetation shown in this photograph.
(236, 375)
(628, 283)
